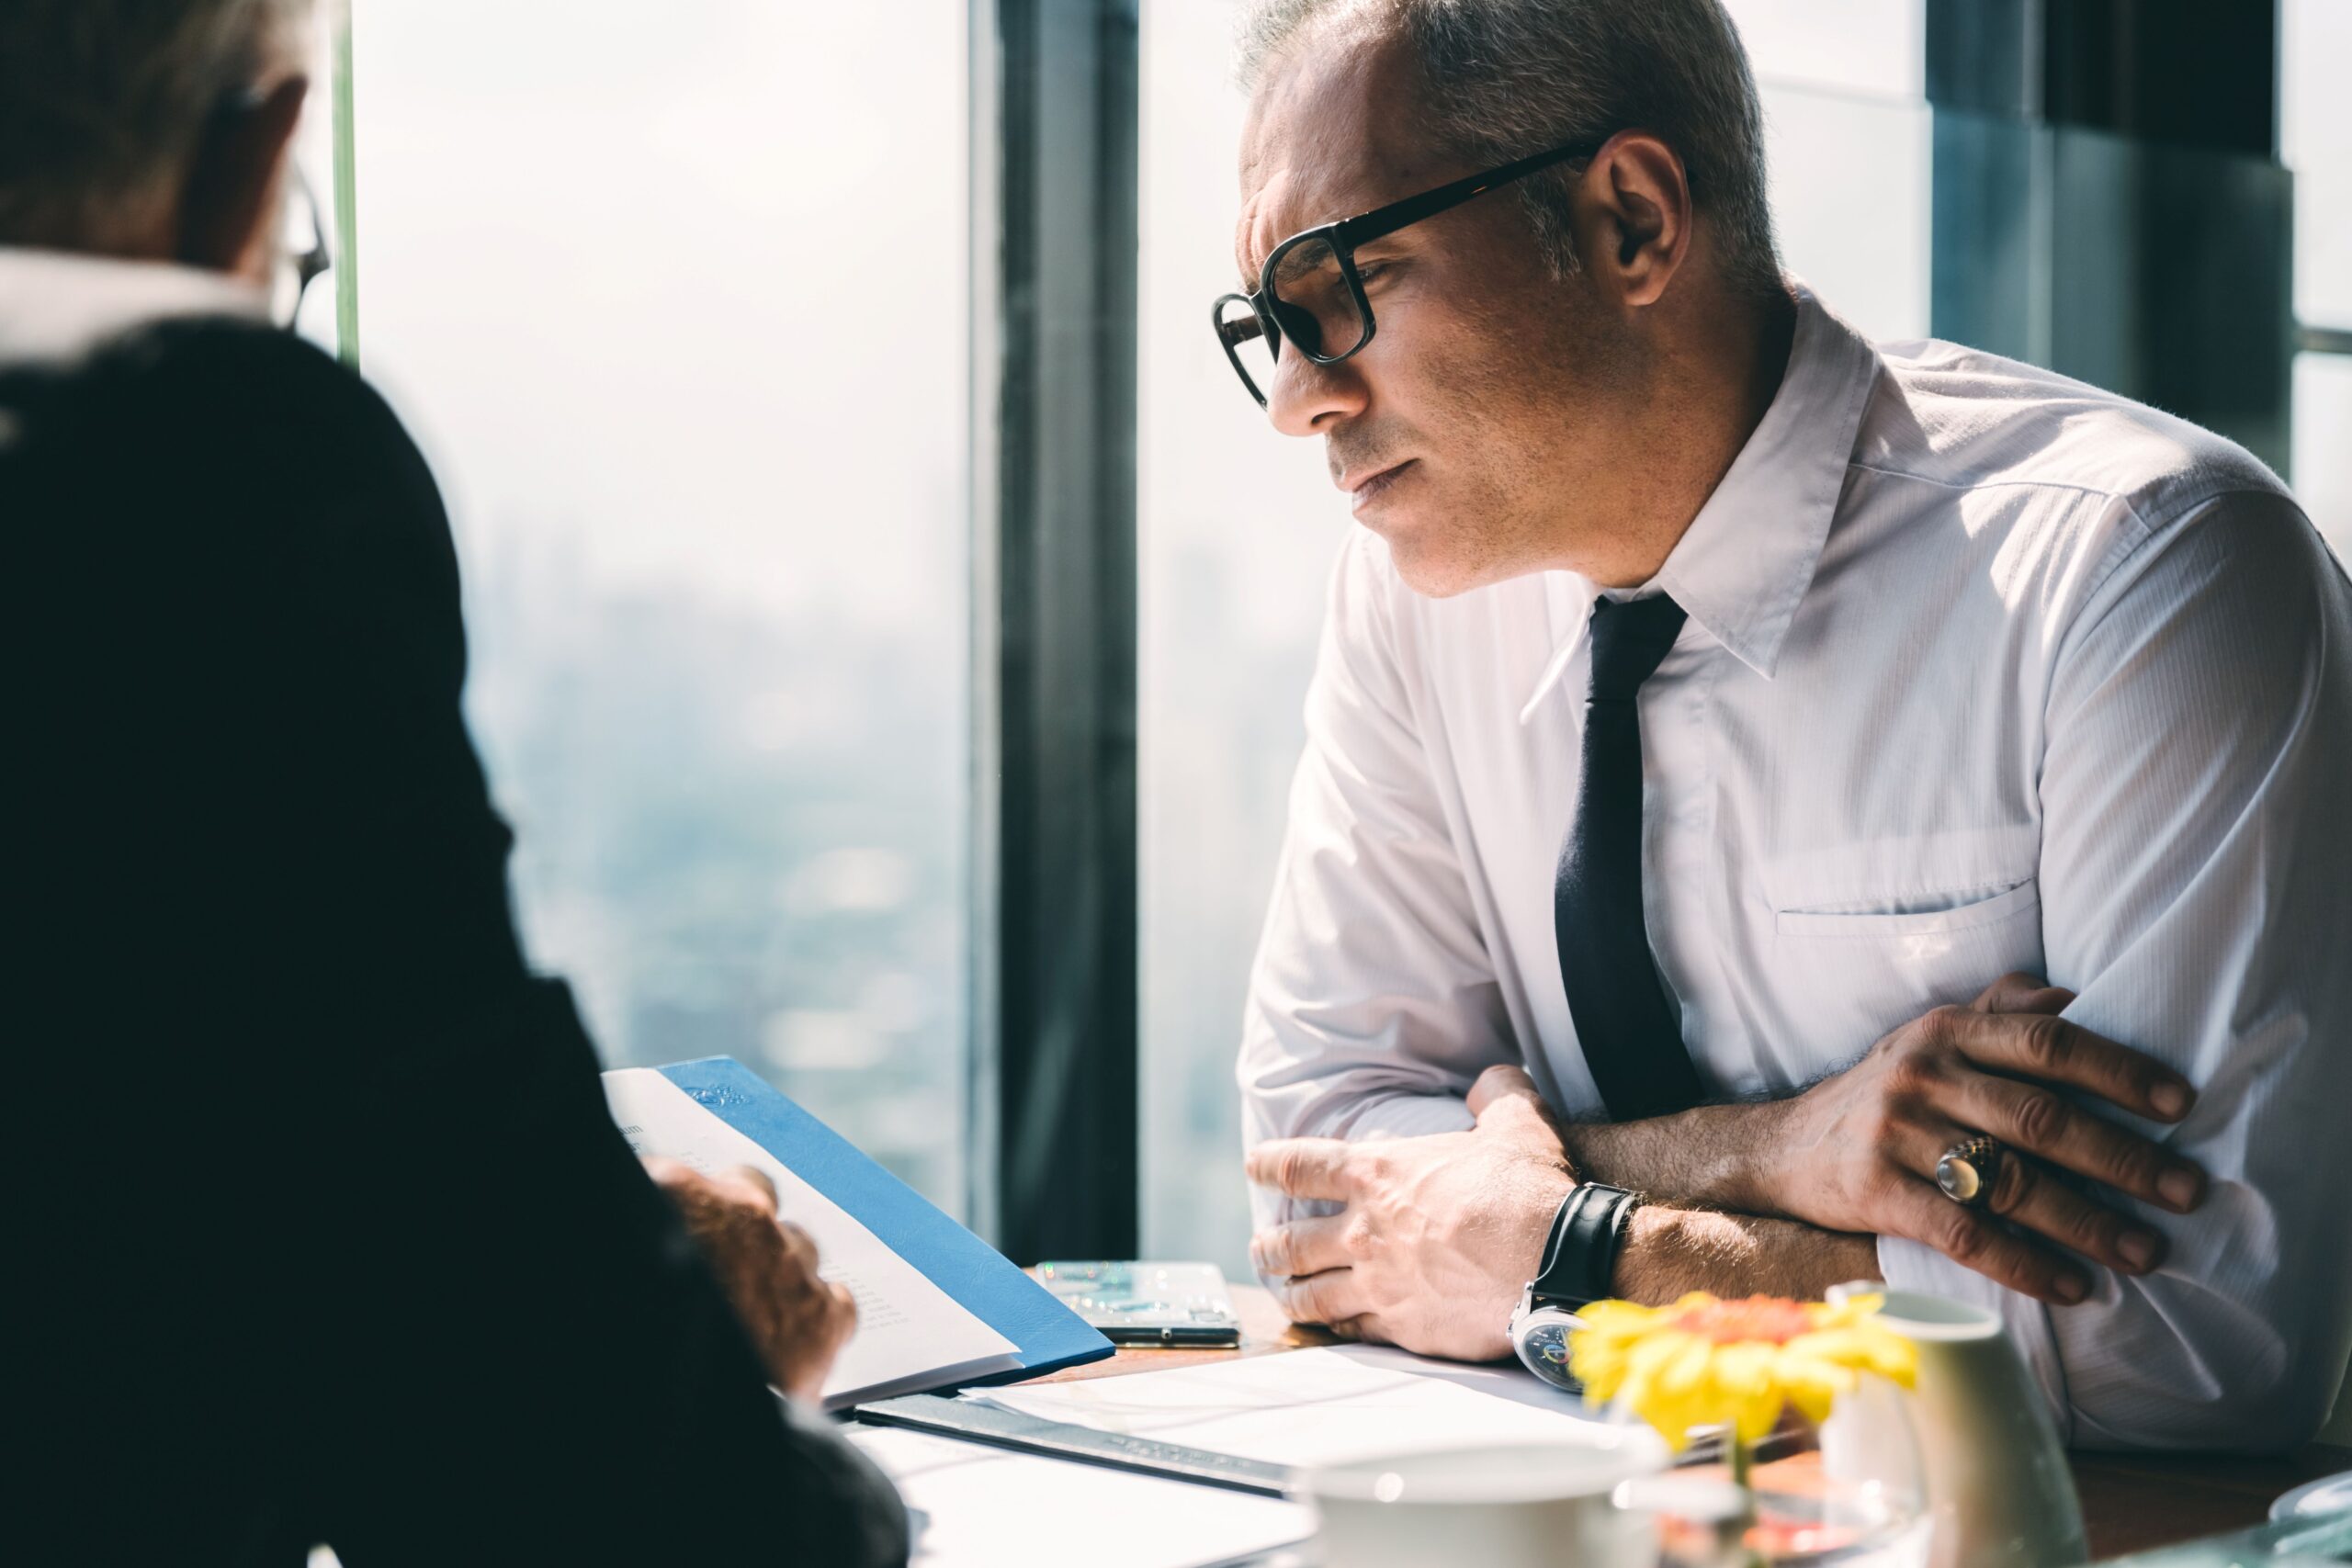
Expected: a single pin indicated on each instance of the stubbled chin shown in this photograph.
(1432, 574)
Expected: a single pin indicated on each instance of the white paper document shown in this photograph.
(978, 1507)
(910, 1334)
(1315, 1406)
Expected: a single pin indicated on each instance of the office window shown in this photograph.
(2323, 476)
(1238, 527)
(675, 300)
(1241, 526)
(1849, 137)
(2316, 134)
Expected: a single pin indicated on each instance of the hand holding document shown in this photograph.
(911, 1333)
(767, 1266)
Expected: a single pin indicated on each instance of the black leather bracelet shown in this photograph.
(1580, 1253)
(1548, 1267)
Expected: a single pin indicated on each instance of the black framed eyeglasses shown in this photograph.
(1309, 293)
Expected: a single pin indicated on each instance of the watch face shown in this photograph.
(1542, 1342)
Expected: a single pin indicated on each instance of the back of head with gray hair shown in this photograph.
(102, 102)
(1505, 78)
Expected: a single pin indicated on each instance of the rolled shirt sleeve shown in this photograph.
(2196, 880)
(1373, 1003)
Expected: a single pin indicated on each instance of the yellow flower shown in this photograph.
(1705, 1362)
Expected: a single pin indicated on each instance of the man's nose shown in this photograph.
(1306, 396)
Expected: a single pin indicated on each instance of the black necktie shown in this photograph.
(1623, 1019)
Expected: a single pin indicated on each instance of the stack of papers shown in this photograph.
(974, 1503)
(978, 1508)
(1308, 1407)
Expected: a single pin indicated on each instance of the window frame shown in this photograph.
(1054, 1062)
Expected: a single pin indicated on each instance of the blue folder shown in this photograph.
(1047, 1334)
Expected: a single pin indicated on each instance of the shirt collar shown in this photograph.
(58, 305)
(1743, 566)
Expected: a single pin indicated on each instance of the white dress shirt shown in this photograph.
(1985, 669)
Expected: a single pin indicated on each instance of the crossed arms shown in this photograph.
(1786, 1197)
(2204, 697)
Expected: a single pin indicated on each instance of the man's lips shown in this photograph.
(1363, 488)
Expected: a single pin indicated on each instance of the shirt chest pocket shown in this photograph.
(1898, 926)
(1974, 907)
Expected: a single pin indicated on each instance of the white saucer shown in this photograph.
(2328, 1494)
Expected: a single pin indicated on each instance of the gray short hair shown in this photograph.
(103, 101)
(1505, 78)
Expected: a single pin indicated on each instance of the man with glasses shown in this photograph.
(1776, 810)
(321, 1232)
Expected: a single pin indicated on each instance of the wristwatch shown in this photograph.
(1579, 1256)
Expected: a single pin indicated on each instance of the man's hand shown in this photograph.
(1440, 1234)
(1858, 1152)
(797, 1320)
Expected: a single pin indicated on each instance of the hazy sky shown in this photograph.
(685, 281)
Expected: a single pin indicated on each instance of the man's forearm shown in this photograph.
(1670, 1251)
(1706, 1158)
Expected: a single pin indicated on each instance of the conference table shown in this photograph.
(2131, 1503)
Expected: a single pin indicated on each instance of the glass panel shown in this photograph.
(1240, 528)
(1849, 140)
(2316, 139)
(1851, 200)
(2323, 477)
(677, 308)
(1877, 47)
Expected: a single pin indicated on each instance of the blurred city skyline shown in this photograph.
(676, 307)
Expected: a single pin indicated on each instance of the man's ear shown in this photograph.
(1637, 218)
(228, 207)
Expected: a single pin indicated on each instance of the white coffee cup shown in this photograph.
(1525, 1506)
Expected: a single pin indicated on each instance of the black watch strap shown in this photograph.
(1580, 1255)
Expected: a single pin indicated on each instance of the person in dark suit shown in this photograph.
(322, 1232)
